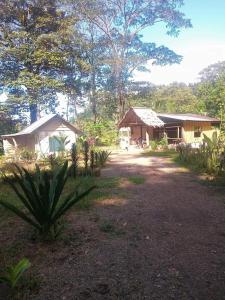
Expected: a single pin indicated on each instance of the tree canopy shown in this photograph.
(88, 50)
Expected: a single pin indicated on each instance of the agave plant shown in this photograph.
(86, 156)
(92, 160)
(101, 157)
(14, 273)
(41, 196)
(213, 150)
(74, 158)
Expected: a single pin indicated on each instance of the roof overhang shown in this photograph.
(34, 129)
(188, 117)
(141, 116)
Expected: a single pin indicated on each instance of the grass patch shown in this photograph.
(136, 179)
(166, 153)
(108, 227)
(104, 189)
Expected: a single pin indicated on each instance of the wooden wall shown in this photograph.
(189, 127)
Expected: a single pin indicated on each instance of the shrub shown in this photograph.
(41, 196)
(163, 143)
(74, 159)
(55, 161)
(86, 156)
(101, 158)
(27, 155)
(209, 157)
(103, 132)
(92, 160)
(153, 145)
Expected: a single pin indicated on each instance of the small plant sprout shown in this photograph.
(13, 274)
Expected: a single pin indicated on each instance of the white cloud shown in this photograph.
(196, 56)
(3, 97)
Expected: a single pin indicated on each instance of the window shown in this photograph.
(197, 131)
(55, 144)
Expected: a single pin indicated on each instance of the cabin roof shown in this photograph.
(188, 117)
(144, 115)
(39, 123)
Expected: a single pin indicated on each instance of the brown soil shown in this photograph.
(167, 240)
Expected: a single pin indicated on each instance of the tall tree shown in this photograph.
(211, 89)
(31, 52)
(121, 22)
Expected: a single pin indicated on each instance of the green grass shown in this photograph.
(104, 189)
(218, 181)
(107, 227)
(136, 179)
(166, 153)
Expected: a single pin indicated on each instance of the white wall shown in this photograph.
(53, 129)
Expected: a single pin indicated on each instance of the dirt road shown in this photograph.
(167, 239)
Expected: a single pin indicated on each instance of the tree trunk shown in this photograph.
(33, 113)
(93, 94)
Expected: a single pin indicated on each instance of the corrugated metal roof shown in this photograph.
(188, 117)
(148, 116)
(34, 126)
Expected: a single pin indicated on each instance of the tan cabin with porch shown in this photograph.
(143, 125)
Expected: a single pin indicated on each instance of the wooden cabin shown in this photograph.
(143, 124)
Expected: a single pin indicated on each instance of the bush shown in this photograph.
(27, 155)
(209, 157)
(101, 158)
(74, 159)
(153, 145)
(41, 196)
(101, 133)
(163, 143)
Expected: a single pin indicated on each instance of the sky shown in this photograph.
(200, 46)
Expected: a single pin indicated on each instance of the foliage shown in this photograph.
(62, 140)
(172, 98)
(136, 179)
(27, 155)
(41, 196)
(74, 159)
(209, 157)
(14, 273)
(103, 132)
(162, 144)
(37, 42)
(54, 161)
(92, 160)
(108, 227)
(212, 93)
(153, 145)
(101, 158)
(120, 24)
(86, 156)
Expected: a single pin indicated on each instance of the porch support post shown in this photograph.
(178, 132)
(14, 142)
(147, 137)
(182, 133)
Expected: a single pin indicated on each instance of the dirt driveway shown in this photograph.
(175, 242)
(162, 239)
